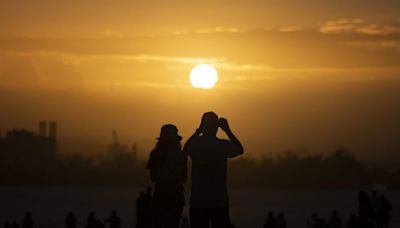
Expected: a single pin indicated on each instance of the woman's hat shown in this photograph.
(169, 131)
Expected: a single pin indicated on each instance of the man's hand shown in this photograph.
(223, 124)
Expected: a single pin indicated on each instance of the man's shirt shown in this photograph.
(209, 156)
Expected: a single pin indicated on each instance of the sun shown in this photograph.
(203, 76)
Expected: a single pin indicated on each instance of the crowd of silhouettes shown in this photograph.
(373, 212)
(70, 221)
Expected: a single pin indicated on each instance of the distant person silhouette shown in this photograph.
(91, 221)
(364, 209)
(141, 211)
(148, 209)
(70, 221)
(334, 221)
(7, 224)
(374, 205)
(317, 222)
(270, 221)
(114, 220)
(209, 198)
(384, 212)
(27, 222)
(280, 221)
(168, 169)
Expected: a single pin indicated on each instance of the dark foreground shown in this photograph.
(249, 208)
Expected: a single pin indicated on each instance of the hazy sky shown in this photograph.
(312, 74)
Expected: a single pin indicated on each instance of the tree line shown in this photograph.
(288, 170)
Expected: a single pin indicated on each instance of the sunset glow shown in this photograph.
(291, 73)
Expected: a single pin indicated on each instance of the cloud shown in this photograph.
(211, 30)
(221, 63)
(377, 29)
(341, 25)
(271, 51)
(358, 25)
(290, 29)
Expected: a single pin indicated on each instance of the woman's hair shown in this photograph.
(161, 150)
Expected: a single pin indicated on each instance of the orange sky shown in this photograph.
(293, 74)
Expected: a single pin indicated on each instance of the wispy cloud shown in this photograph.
(358, 25)
(294, 28)
(377, 29)
(341, 25)
(129, 86)
(211, 30)
(220, 63)
(291, 28)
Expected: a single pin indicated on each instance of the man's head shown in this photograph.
(209, 123)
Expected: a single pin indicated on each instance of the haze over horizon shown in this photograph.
(310, 74)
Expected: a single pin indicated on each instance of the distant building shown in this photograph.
(20, 146)
(134, 152)
(120, 153)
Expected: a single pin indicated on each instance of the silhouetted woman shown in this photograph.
(364, 209)
(168, 169)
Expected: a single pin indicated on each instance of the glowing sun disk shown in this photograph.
(203, 76)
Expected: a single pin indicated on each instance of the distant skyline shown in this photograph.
(293, 74)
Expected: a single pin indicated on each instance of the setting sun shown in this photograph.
(203, 76)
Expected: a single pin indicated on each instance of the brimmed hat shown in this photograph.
(169, 131)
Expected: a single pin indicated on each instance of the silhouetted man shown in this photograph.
(114, 220)
(209, 154)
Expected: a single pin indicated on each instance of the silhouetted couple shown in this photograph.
(168, 168)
